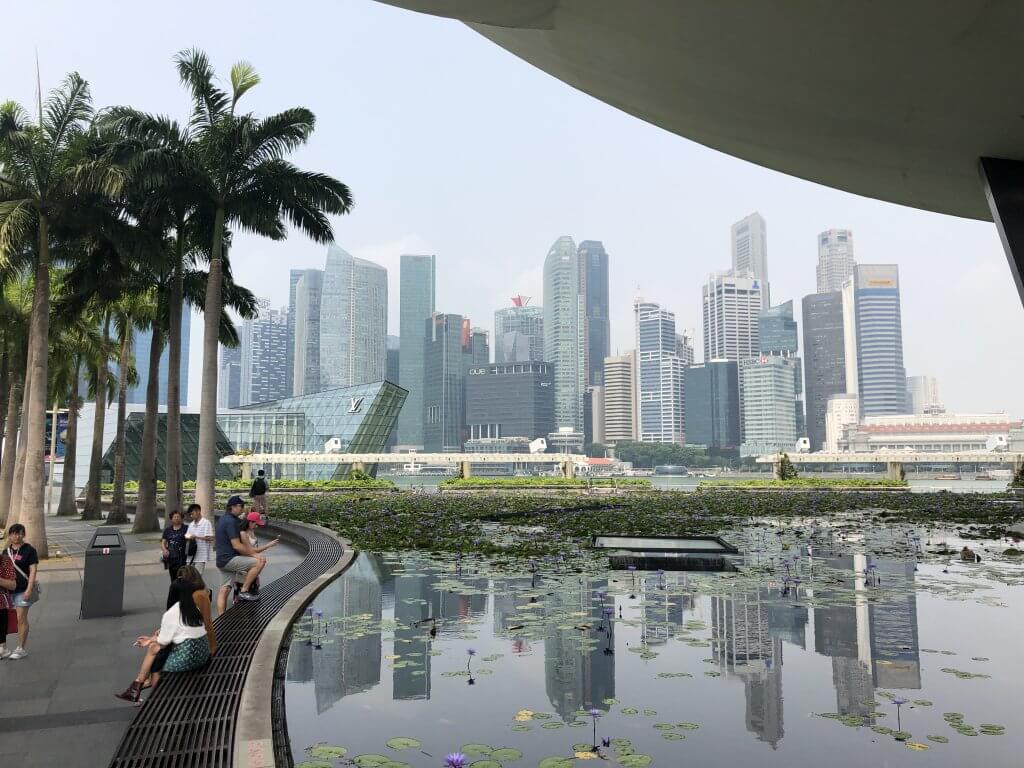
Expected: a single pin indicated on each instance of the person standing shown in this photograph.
(26, 591)
(8, 583)
(258, 492)
(235, 558)
(199, 536)
(173, 544)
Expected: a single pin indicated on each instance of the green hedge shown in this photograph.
(807, 482)
(236, 485)
(546, 482)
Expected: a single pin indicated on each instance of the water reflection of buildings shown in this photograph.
(664, 608)
(578, 675)
(413, 604)
(344, 665)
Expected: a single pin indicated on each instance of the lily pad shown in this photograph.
(314, 764)
(671, 736)
(326, 751)
(688, 726)
(629, 711)
(506, 755)
(402, 742)
(635, 761)
(372, 760)
(901, 735)
(555, 762)
(939, 739)
(552, 725)
(487, 763)
(476, 749)
(916, 746)
(520, 727)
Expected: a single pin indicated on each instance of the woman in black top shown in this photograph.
(172, 545)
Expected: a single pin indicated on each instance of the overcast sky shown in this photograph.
(455, 147)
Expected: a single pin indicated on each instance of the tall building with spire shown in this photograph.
(564, 331)
(519, 332)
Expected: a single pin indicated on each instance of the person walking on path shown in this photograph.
(173, 544)
(25, 560)
(8, 583)
(185, 640)
(234, 555)
(258, 492)
(199, 537)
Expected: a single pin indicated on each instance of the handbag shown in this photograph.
(12, 621)
(37, 591)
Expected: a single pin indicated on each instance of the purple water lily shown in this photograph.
(455, 760)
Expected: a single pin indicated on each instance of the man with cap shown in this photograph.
(235, 558)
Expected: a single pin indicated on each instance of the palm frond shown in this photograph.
(195, 72)
(17, 219)
(243, 77)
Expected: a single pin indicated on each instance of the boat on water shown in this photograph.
(947, 477)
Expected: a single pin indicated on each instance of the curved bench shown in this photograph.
(193, 720)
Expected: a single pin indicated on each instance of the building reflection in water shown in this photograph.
(344, 664)
(415, 614)
(579, 675)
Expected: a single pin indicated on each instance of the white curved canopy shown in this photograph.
(893, 100)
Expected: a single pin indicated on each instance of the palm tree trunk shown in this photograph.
(146, 519)
(206, 460)
(118, 514)
(5, 382)
(68, 506)
(18, 486)
(172, 494)
(33, 515)
(93, 497)
(10, 446)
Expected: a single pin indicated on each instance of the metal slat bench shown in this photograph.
(189, 720)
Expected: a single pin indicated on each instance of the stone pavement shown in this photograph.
(57, 705)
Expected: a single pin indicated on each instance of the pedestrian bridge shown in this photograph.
(566, 461)
(894, 460)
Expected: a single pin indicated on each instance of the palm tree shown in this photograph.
(15, 310)
(99, 389)
(247, 184)
(43, 168)
(129, 313)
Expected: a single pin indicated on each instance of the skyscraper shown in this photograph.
(594, 287)
(923, 394)
(731, 306)
(824, 357)
(835, 259)
(769, 420)
(881, 377)
(142, 343)
(564, 331)
(306, 329)
(294, 276)
(391, 374)
(777, 331)
(229, 376)
(416, 304)
(749, 238)
(353, 321)
(519, 332)
(713, 406)
(619, 399)
(510, 400)
(449, 348)
(659, 392)
(264, 353)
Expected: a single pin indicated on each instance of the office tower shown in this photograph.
(141, 345)
(659, 392)
(842, 411)
(769, 420)
(731, 306)
(596, 420)
(353, 321)
(594, 287)
(777, 332)
(749, 238)
(835, 259)
(475, 344)
(444, 369)
(824, 359)
(416, 304)
(305, 339)
(871, 315)
(510, 400)
(294, 276)
(264, 349)
(564, 336)
(519, 332)
(713, 406)
(229, 375)
(923, 394)
(391, 374)
(619, 399)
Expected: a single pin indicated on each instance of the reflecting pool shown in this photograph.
(830, 646)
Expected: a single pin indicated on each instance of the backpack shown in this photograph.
(259, 487)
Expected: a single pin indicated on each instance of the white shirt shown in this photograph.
(203, 548)
(173, 630)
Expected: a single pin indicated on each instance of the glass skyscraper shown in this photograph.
(749, 238)
(731, 306)
(264, 353)
(353, 321)
(660, 385)
(594, 287)
(306, 328)
(229, 376)
(769, 420)
(881, 377)
(564, 331)
(777, 332)
(519, 332)
(824, 355)
(445, 354)
(713, 406)
(416, 304)
(835, 259)
(141, 345)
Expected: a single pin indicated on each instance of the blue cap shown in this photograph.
(233, 501)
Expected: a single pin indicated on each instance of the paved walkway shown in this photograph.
(57, 705)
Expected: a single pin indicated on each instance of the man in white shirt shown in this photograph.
(201, 531)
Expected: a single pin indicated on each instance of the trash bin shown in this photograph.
(103, 584)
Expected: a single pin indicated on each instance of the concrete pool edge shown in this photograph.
(254, 731)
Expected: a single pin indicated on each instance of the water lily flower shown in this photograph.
(471, 651)
(595, 713)
(455, 760)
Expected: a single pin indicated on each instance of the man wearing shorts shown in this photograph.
(201, 532)
(236, 560)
